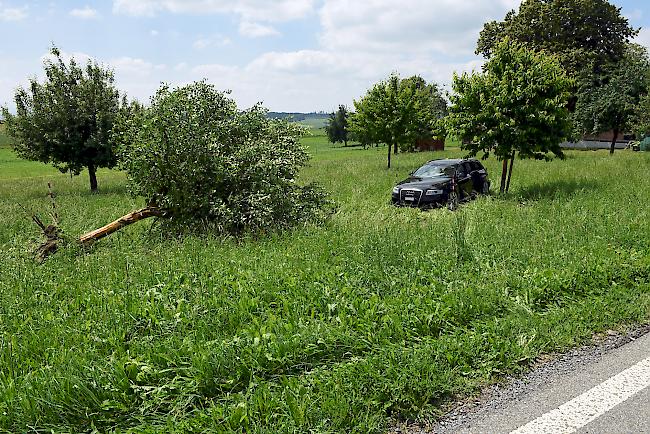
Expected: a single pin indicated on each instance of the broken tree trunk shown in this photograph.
(135, 216)
(51, 232)
(54, 236)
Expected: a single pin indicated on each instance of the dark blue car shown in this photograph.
(441, 182)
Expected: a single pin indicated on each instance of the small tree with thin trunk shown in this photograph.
(397, 112)
(516, 105)
(610, 101)
(67, 120)
(337, 126)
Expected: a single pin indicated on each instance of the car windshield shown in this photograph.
(432, 170)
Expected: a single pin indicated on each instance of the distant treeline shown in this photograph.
(298, 116)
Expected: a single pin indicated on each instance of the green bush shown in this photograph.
(200, 159)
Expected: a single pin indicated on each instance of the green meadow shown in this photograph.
(381, 314)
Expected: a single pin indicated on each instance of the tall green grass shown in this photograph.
(382, 313)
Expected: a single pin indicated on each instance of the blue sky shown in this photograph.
(292, 55)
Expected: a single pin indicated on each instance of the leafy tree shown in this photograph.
(516, 105)
(429, 109)
(609, 102)
(590, 37)
(641, 118)
(337, 126)
(67, 119)
(580, 32)
(197, 158)
(398, 112)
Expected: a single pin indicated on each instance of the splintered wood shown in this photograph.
(135, 216)
(54, 236)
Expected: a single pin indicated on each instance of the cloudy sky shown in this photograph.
(293, 55)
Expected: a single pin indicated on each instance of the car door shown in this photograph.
(464, 179)
(478, 175)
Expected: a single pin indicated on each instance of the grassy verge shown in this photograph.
(381, 313)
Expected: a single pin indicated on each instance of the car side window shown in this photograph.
(476, 165)
(468, 168)
(460, 171)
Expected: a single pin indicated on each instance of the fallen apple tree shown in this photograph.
(201, 161)
(54, 236)
(118, 224)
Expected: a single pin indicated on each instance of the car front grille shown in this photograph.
(410, 197)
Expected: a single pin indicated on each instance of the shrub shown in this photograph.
(195, 156)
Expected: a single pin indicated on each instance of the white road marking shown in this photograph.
(578, 412)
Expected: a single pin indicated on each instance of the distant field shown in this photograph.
(315, 123)
(380, 314)
(311, 120)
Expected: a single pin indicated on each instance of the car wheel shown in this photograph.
(485, 189)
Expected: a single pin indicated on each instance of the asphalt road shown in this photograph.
(598, 389)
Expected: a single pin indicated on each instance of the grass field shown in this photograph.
(380, 314)
(315, 123)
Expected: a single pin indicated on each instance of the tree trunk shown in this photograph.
(346, 143)
(512, 160)
(504, 174)
(395, 149)
(389, 149)
(613, 146)
(135, 216)
(92, 172)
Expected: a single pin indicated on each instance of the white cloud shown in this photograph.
(297, 62)
(256, 30)
(213, 41)
(201, 43)
(358, 43)
(85, 13)
(138, 77)
(212, 70)
(135, 66)
(254, 15)
(254, 10)
(79, 57)
(122, 64)
(12, 13)
(361, 43)
(449, 27)
(312, 80)
(136, 8)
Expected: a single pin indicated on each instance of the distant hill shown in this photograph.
(312, 120)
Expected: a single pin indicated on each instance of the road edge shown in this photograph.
(459, 412)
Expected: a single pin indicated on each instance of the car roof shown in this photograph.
(450, 161)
